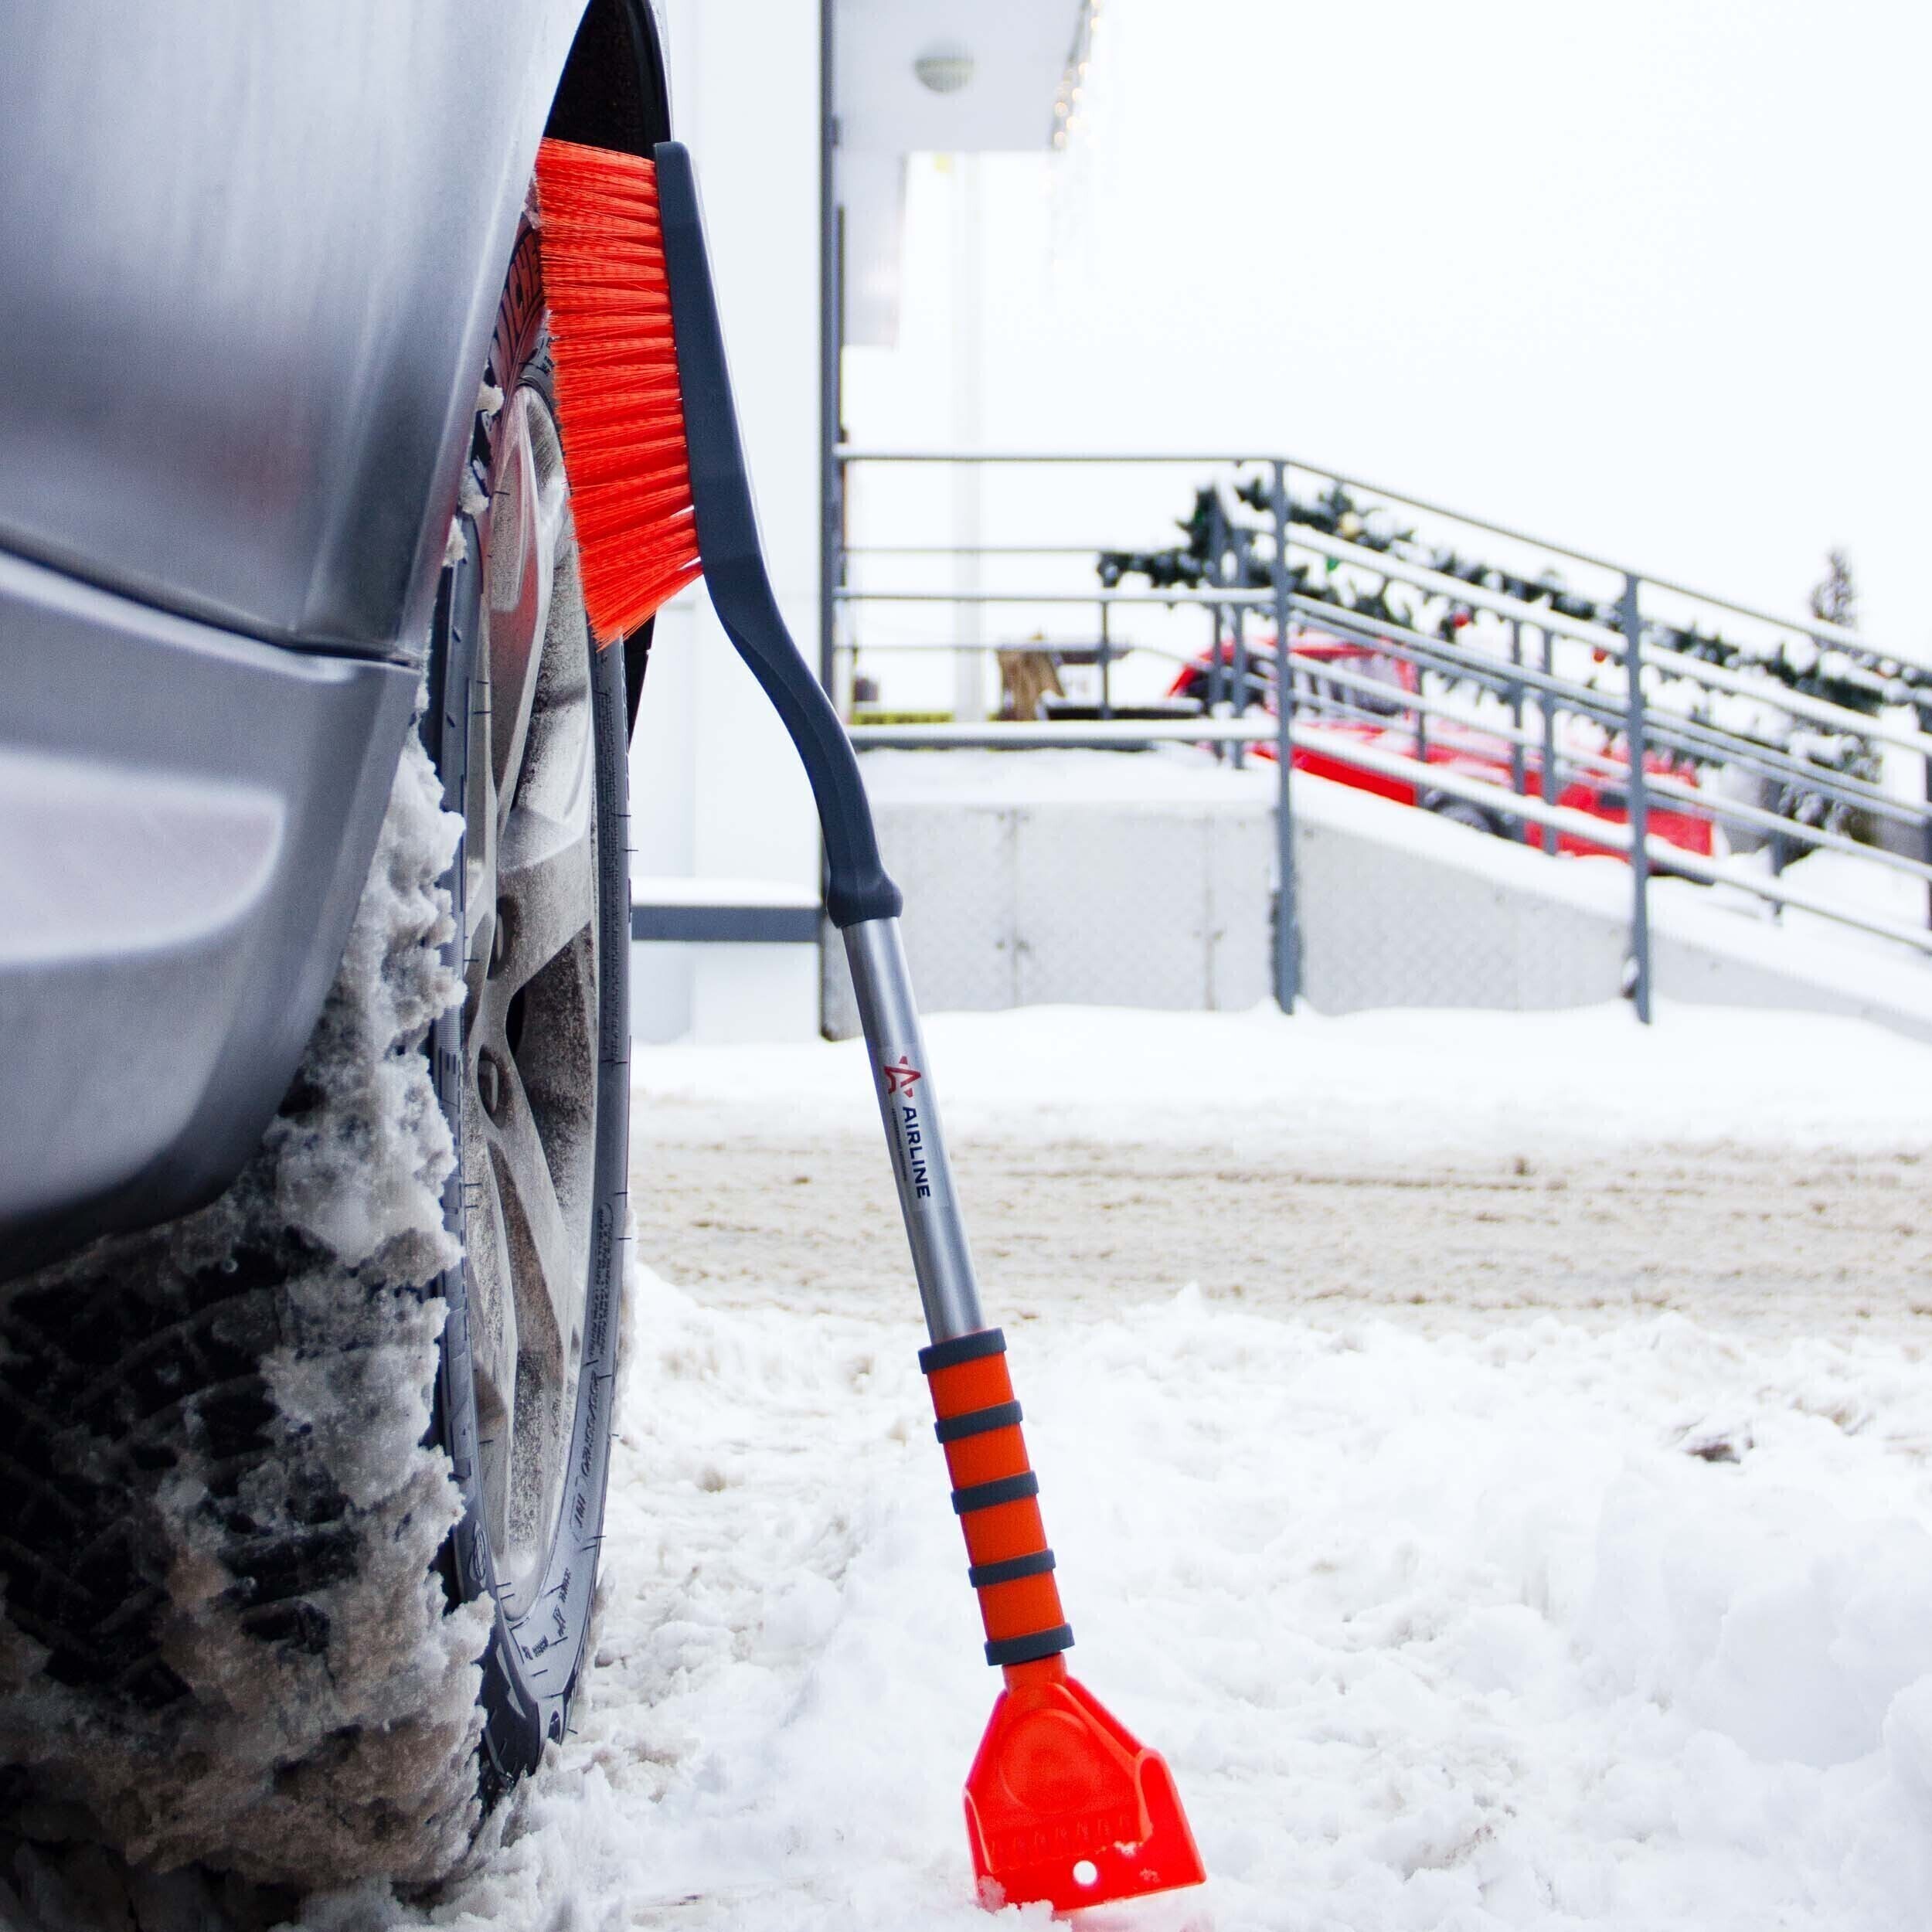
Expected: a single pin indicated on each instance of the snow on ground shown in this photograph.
(1539, 1629)
(1531, 1624)
(1884, 893)
(1385, 1081)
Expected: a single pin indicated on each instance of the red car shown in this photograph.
(1347, 712)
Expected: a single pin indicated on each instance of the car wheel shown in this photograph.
(1460, 812)
(527, 729)
(301, 1495)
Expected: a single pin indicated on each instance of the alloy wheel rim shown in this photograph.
(531, 996)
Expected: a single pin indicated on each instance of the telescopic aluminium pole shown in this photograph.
(1063, 1804)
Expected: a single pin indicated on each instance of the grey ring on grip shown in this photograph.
(1030, 1650)
(983, 1576)
(962, 1347)
(990, 1496)
(977, 1422)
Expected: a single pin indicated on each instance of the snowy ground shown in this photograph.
(1754, 1170)
(1449, 1610)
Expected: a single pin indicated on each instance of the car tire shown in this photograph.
(1460, 812)
(281, 1591)
(533, 1069)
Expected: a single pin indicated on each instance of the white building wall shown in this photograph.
(716, 792)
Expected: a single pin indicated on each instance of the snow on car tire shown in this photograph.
(265, 1602)
(224, 1637)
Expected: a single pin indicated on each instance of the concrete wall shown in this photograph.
(716, 790)
(1168, 902)
(1019, 905)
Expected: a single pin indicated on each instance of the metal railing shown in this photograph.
(1616, 707)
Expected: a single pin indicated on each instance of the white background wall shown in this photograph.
(716, 790)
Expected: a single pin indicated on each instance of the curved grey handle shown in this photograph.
(857, 888)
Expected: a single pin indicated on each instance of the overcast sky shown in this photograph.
(1651, 277)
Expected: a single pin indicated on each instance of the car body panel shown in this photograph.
(253, 258)
(190, 817)
(1333, 710)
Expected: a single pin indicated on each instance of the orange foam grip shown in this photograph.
(995, 1495)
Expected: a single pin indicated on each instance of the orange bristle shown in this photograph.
(620, 409)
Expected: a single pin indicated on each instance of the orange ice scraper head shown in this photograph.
(1064, 1804)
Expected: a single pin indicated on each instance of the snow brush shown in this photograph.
(1063, 1803)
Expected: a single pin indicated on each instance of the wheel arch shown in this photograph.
(614, 92)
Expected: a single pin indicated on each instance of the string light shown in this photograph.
(1067, 105)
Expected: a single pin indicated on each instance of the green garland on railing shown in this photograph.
(1226, 550)
(1244, 552)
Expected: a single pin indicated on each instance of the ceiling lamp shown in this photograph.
(944, 68)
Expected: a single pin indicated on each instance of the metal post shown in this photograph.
(831, 471)
(830, 336)
(1547, 777)
(1237, 752)
(1633, 744)
(1784, 850)
(968, 315)
(1287, 926)
(1106, 657)
(1923, 714)
(1518, 777)
(1214, 669)
(1217, 669)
